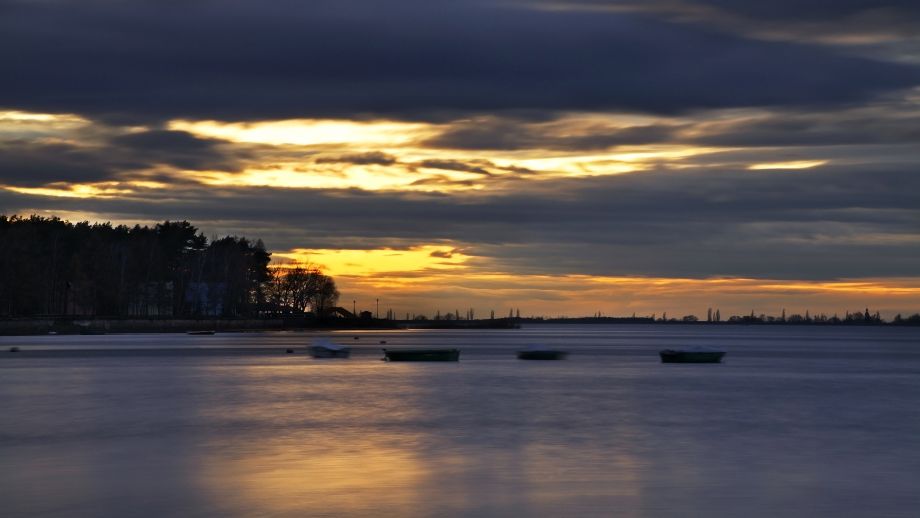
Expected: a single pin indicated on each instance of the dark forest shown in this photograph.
(49, 266)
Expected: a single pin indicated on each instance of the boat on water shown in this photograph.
(201, 333)
(691, 355)
(421, 355)
(537, 352)
(323, 348)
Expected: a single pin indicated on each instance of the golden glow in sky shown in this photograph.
(371, 262)
(381, 155)
(319, 154)
(579, 295)
(295, 176)
(99, 190)
(429, 278)
(795, 164)
(309, 132)
(18, 117)
(410, 166)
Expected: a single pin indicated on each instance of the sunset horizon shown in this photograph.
(605, 156)
(459, 258)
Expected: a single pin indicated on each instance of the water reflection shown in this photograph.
(324, 476)
(778, 430)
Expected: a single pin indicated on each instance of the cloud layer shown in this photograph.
(587, 141)
(408, 60)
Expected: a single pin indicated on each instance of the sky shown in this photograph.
(561, 157)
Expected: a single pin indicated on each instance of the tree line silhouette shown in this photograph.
(51, 267)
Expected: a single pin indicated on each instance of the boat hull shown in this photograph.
(322, 352)
(421, 355)
(670, 356)
(541, 355)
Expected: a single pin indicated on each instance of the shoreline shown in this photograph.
(99, 326)
(71, 326)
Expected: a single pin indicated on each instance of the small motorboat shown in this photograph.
(421, 355)
(323, 348)
(691, 355)
(537, 352)
(201, 333)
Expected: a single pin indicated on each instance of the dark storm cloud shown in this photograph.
(830, 11)
(26, 163)
(158, 140)
(36, 163)
(426, 60)
(814, 129)
(510, 134)
(442, 182)
(812, 9)
(886, 30)
(896, 122)
(820, 224)
(475, 166)
(369, 158)
(444, 254)
(178, 149)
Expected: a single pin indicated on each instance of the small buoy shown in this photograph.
(356, 338)
(14, 349)
(383, 341)
(290, 351)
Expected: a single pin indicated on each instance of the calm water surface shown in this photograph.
(796, 422)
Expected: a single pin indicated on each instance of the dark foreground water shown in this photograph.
(796, 422)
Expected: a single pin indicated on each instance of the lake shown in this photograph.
(797, 421)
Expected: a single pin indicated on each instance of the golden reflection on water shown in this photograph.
(278, 477)
(374, 439)
(319, 460)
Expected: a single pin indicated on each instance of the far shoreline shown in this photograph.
(99, 326)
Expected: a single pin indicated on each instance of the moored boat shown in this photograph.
(691, 355)
(421, 355)
(323, 348)
(201, 333)
(541, 353)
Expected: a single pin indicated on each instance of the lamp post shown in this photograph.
(377, 315)
(354, 309)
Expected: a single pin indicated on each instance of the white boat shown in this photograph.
(323, 348)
